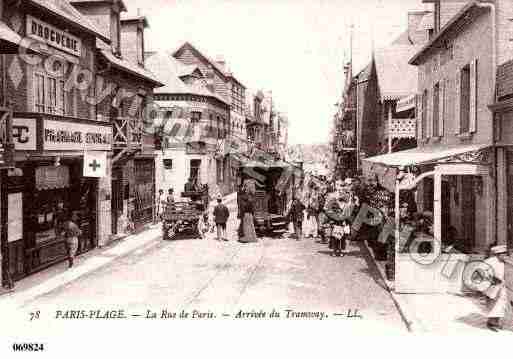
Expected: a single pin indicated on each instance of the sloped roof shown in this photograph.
(185, 70)
(396, 78)
(214, 64)
(63, 9)
(168, 70)
(403, 39)
(129, 67)
(8, 38)
(119, 2)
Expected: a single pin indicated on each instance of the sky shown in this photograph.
(295, 48)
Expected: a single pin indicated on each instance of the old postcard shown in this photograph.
(316, 170)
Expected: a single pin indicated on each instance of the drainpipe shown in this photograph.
(493, 12)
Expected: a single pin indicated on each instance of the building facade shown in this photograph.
(124, 88)
(54, 123)
(192, 121)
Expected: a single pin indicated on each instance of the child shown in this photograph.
(339, 237)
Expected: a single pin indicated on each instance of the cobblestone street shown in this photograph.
(223, 278)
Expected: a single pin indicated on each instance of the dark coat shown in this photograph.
(221, 213)
(296, 211)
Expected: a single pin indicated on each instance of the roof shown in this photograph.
(403, 39)
(423, 155)
(214, 64)
(9, 39)
(168, 70)
(185, 70)
(132, 17)
(396, 78)
(64, 10)
(443, 31)
(120, 2)
(129, 67)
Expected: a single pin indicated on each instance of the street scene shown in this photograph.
(343, 162)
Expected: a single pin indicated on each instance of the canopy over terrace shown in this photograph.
(405, 170)
(386, 166)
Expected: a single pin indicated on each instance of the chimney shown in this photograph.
(132, 38)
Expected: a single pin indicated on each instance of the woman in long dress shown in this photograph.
(248, 227)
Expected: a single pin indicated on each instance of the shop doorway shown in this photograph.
(144, 192)
(468, 206)
(195, 171)
(117, 199)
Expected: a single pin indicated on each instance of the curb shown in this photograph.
(21, 299)
(10, 295)
(409, 319)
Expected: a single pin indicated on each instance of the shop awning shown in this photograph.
(385, 167)
(423, 155)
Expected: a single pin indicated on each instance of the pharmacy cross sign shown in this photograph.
(94, 165)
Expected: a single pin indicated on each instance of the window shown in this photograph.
(40, 92)
(465, 99)
(436, 109)
(218, 127)
(195, 117)
(140, 47)
(50, 96)
(168, 163)
(424, 114)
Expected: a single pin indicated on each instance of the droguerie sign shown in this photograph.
(53, 36)
(68, 136)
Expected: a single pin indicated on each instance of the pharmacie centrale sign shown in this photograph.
(69, 136)
(53, 36)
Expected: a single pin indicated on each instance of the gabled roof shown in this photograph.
(396, 77)
(168, 70)
(129, 67)
(186, 70)
(465, 11)
(188, 45)
(64, 10)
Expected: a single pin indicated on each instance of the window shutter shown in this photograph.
(441, 108)
(457, 101)
(473, 97)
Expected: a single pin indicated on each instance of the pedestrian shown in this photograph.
(497, 292)
(221, 215)
(313, 213)
(160, 205)
(247, 212)
(296, 216)
(71, 232)
(170, 199)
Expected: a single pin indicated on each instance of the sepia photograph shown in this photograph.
(313, 172)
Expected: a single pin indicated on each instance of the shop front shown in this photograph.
(54, 177)
(452, 224)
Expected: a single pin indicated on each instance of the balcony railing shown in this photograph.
(403, 128)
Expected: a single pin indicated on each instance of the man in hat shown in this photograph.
(496, 292)
(221, 214)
